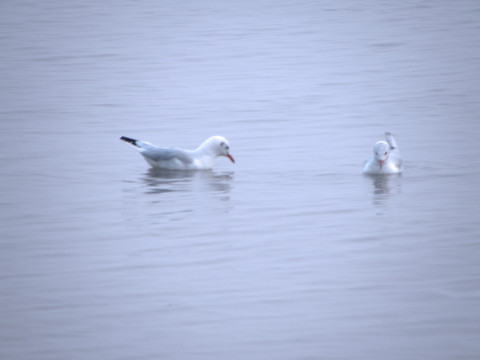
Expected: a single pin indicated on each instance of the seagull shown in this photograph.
(171, 158)
(385, 159)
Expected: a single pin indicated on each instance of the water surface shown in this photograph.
(290, 253)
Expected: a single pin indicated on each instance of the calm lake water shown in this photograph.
(290, 253)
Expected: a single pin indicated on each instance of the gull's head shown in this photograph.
(219, 146)
(381, 150)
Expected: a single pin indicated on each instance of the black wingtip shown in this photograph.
(129, 140)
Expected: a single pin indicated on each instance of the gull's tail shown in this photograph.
(391, 140)
(130, 140)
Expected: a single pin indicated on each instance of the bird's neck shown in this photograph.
(206, 149)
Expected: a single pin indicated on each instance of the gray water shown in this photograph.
(290, 253)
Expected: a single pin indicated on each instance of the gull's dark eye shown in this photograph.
(228, 147)
(222, 143)
(386, 152)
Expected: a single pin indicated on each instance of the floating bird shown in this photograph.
(171, 158)
(385, 159)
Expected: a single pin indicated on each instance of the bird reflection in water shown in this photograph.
(166, 181)
(384, 186)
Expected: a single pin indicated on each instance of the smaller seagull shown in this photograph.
(170, 158)
(385, 159)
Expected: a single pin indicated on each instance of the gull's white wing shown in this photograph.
(391, 141)
(395, 156)
(157, 153)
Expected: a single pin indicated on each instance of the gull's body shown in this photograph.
(171, 158)
(386, 158)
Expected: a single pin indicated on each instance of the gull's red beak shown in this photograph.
(231, 158)
(381, 163)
